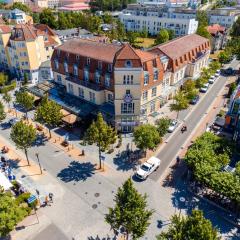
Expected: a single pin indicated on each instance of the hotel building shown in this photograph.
(126, 84)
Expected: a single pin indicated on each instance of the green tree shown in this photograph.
(25, 100)
(25, 78)
(202, 31)
(194, 226)
(237, 171)
(23, 135)
(2, 112)
(21, 6)
(130, 212)
(10, 214)
(102, 134)
(7, 99)
(171, 34)
(47, 17)
(202, 18)
(132, 36)
(189, 88)
(3, 79)
(214, 66)
(235, 31)
(162, 126)
(162, 36)
(146, 137)
(224, 57)
(49, 113)
(180, 103)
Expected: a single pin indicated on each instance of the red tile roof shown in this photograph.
(215, 28)
(180, 46)
(5, 29)
(92, 49)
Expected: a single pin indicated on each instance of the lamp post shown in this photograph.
(37, 155)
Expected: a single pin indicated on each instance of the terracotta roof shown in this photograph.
(213, 29)
(92, 49)
(145, 56)
(127, 52)
(180, 46)
(5, 29)
(45, 28)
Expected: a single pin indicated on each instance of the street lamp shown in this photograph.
(37, 155)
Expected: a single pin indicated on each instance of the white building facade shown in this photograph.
(153, 19)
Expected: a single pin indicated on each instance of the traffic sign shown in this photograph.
(31, 199)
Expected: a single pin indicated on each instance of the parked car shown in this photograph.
(211, 80)
(195, 100)
(204, 88)
(13, 121)
(147, 168)
(172, 125)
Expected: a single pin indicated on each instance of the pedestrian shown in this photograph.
(46, 201)
(51, 197)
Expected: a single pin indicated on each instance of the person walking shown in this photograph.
(51, 197)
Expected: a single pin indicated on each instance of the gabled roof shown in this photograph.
(92, 49)
(213, 29)
(5, 29)
(180, 46)
(127, 52)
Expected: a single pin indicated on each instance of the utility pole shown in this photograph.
(37, 155)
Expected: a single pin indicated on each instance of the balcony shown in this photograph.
(83, 83)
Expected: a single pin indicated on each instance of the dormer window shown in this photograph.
(128, 64)
(88, 61)
(110, 67)
(65, 67)
(56, 65)
(99, 65)
(75, 70)
(155, 77)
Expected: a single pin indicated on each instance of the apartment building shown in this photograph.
(118, 80)
(232, 120)
(15, 16)
(26, 47)
(183, 58)
(224, 16)
(126, 84)
(153, 18)
(219, 37)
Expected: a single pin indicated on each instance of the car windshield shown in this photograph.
(145, 168)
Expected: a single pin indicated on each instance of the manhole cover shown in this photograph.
(99, 183)
(94, 206)
(97, 194)
(86, 192)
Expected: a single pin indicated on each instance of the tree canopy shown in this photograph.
(130, 211)
(162, 37)
(235, 31)
(206, 158)
(23, 135)
(162, 126)
(48, 112)
(21, 6)
(146, 137)
(181, 102)
(25, 100)
(102, 134)
(194, 227)
(10, 214)
(2, 112)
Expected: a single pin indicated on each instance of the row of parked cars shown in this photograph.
(211, 80)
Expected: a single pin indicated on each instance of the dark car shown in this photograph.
(195, 100)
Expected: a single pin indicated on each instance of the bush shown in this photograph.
(22, 198)
(8, 88)
(221, 113)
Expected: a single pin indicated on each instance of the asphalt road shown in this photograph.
(168, 152)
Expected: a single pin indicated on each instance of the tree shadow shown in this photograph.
(14, 163)
(127, 160)
(77, 172)
(72, 136)
(8, 237)
(40, 140)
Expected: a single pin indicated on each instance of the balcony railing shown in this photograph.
(93, 86)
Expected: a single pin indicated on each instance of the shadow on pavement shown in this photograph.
(126, 160)
(77, 171)
(98, 238)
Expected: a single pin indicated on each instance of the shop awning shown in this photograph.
(4, 182)
(70, 119)
(64, 112)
